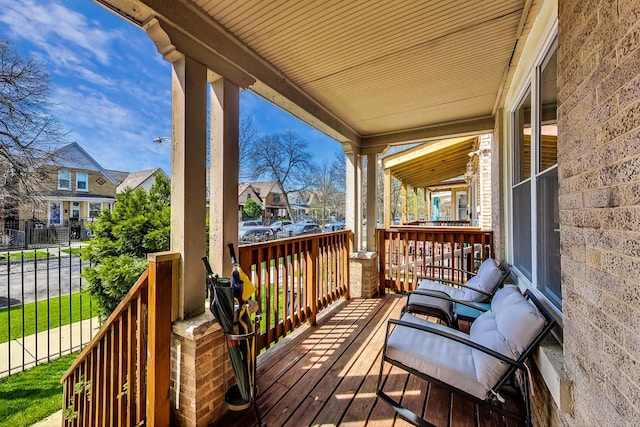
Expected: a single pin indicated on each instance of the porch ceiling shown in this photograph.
(430, 164)
(371, 72)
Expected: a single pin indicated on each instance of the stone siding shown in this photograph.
(599, 198)
(363, 275)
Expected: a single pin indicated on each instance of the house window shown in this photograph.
(55, 213)
(64, 180)
(94, 209)
(534, 190)
(82, 182)
(276, 198)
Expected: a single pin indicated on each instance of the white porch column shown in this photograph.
(188, 179)
(415, 203)
(403, 193)
(223, 200)
(353, 208)
(387, 198)
(372, 201)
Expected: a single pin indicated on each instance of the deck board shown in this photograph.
(327, 375)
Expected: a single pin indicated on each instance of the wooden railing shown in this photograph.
(295, 278)
(122, 377)
(406, 253)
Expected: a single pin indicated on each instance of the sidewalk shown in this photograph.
(50, 345)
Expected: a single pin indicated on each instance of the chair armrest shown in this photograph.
(444, 296)
(456, 338)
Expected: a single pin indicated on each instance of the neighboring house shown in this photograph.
(134, 180)
(75, 188)
(272, 198)
(247, 192)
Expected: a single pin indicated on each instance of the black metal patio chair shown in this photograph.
(450, 300)
(476, 365)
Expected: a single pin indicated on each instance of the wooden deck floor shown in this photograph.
(326, 376)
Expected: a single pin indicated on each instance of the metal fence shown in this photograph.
(45, 311)
(28, 234)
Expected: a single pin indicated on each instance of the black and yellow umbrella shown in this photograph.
(229, 301)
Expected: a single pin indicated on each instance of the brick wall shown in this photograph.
(204, 372)
(599, 169)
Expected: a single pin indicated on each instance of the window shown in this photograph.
(276, 198)
(548, 215)
(521, 190)
(536, 237)
(64, 180)
(94, 209)
(82, 182)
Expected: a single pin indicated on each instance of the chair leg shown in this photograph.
(400, 410)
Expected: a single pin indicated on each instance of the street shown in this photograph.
(28, 282)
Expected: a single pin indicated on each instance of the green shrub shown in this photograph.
(139, 224)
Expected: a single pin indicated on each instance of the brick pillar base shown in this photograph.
(363, 274)
(203, 374)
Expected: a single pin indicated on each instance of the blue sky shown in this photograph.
(111, 89)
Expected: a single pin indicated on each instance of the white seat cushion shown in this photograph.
(429, 285)
(447, 360)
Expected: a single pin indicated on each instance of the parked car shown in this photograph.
(299, 229)
(255, 234)
(251, 223)
(279, 225)
(308, 221)
(333, 226)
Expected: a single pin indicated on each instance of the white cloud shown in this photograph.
(61, 32)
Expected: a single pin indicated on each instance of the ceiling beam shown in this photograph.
(469, 127)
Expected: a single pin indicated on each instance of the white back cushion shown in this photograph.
(487, 279)
(508, 328)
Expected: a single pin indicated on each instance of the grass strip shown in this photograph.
(58, 312)
(32, 395)
(28, 255)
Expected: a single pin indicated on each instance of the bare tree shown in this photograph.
(330, 184)
(27, 129)
(285, 159)
(247, 137)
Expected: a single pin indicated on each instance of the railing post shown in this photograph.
(161, 287)
(311, 279)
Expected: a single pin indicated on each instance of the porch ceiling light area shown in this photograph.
(432, 163)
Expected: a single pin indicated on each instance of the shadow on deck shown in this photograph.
(326, 375)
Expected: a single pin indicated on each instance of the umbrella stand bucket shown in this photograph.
(241, 338)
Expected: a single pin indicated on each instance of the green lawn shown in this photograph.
(34, 394)
(56, 305)
(72, 251)
(17, 256)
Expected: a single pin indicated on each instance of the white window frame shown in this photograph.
(89, 217)
(86, 181)
(60, 172)
(529, 81)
